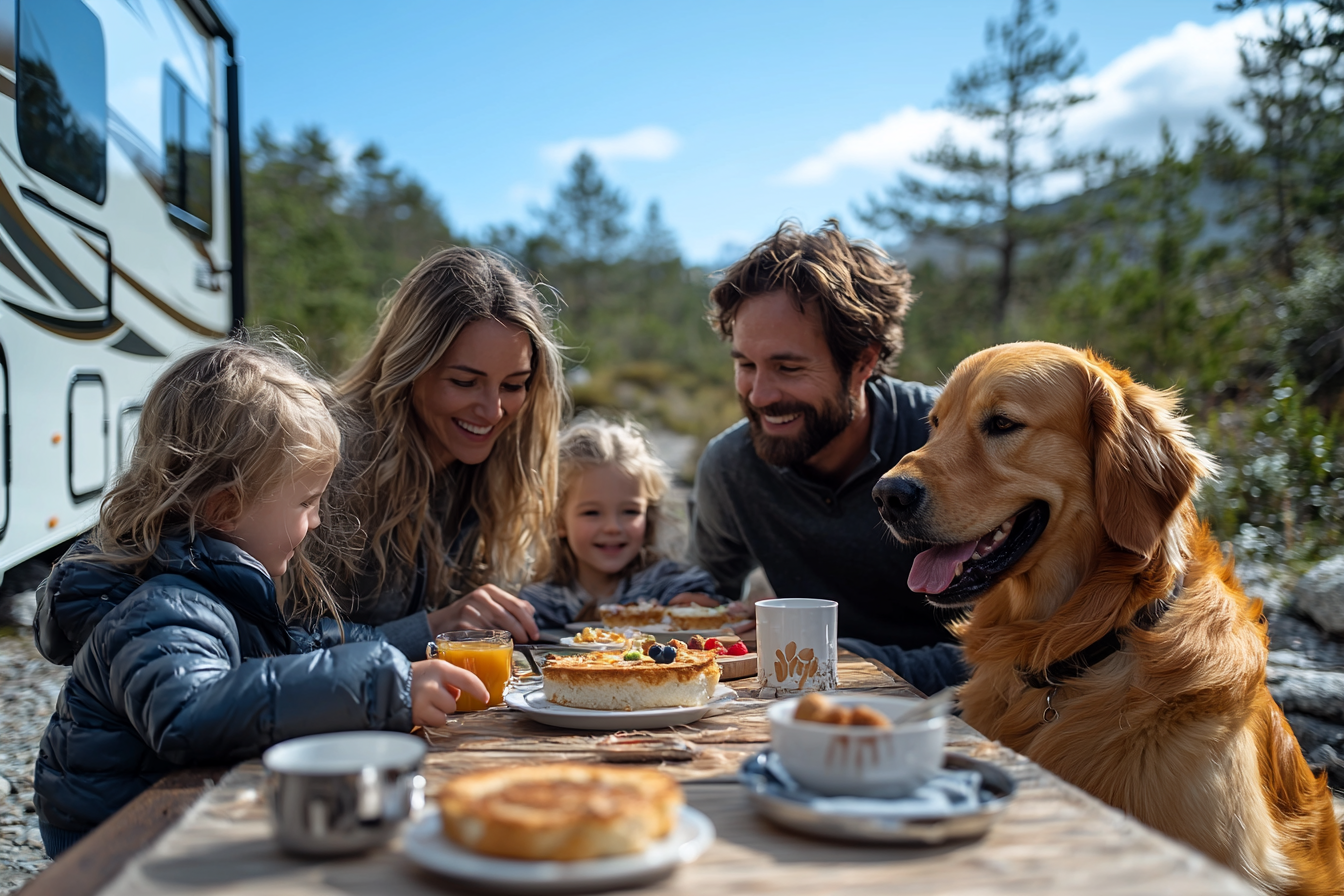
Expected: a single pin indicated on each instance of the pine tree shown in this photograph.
(588, 215)
(1020, 87)
(1294, 77)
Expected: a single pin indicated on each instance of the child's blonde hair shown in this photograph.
(592, 441)
(235, 418)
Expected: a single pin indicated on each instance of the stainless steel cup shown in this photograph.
(334, 794)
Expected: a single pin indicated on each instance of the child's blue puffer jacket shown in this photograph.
(194, 666)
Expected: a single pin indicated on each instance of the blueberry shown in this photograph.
(665, 655)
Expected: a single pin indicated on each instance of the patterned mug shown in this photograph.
(795, 643)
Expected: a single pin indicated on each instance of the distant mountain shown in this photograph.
(1214, 198)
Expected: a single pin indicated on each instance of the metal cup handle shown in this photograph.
(431, 651)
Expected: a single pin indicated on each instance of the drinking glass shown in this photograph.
(487, 654)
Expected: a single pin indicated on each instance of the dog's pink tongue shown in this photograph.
(934, 569)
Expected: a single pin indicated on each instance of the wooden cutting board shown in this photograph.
(734, 667)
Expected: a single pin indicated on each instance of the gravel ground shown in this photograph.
(28, 689)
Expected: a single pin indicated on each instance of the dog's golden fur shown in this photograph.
(1177, 728)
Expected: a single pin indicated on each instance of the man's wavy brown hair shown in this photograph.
(862, 293)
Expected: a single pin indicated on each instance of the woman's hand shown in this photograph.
(486, 608)
(693, 599)
(435, 687)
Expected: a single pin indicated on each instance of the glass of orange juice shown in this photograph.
(488, 654)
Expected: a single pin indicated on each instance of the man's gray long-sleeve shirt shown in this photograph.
(812, 540)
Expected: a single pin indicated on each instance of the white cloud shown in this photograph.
(1181, 76)
(884, 146)
(651, 143)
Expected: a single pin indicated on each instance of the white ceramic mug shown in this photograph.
(795, 644)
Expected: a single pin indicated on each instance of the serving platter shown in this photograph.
(533, 703)
(661, 632)
(425, 844)
(732, 668)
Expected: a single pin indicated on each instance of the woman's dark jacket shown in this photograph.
(192, 666)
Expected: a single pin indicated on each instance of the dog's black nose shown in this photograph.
(898, 496)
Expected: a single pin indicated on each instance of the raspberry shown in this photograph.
(738, 649)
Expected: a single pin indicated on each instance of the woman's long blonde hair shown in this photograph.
(593, 441)
(232, 417)
(388, 481)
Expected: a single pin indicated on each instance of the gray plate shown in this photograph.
(793, 811)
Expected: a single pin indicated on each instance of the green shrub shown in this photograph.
(1280, 493)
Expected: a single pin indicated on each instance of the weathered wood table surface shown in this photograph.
(1053, 838)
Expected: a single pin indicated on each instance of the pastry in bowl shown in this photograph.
(675, 676)
(563, 811)
(635, 615)
(685, 619)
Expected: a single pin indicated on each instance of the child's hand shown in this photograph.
(435, 687)
(692, 599)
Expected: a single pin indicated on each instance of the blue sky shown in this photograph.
(733, 115)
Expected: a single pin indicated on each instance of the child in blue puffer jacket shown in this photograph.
(167, 611)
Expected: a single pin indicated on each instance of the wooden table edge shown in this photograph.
(94, 861)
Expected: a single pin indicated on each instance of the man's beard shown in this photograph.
(819, 427)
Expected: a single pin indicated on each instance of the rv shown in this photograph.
(120, 237)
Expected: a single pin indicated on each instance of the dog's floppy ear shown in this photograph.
(1145, 462)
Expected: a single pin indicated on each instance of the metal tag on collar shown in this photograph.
(1051, 714)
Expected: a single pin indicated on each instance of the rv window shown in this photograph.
(62, 94)
(188, 131)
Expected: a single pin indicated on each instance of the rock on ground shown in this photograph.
(28, 689)
(1319, 595)
(1312, 647)
(1313, 691)
(1269, 583)
(1305, 673)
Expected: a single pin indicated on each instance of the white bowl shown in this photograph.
(858, 760)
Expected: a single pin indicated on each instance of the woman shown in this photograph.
(448, 473)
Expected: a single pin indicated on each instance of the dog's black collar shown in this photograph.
(1076, 665)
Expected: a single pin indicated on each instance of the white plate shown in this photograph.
(585, 645)
(810, 813)
(426, 845)
(533, 703)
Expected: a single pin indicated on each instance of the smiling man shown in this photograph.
(814, 321)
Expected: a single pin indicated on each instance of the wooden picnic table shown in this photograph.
(1053, 838)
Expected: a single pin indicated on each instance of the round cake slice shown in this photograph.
(697, 617)
(562, 811)
(610, 681)
(634, 615)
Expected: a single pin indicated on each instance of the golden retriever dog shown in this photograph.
(1108, 636)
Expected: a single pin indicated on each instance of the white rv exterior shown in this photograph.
(120, 226)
